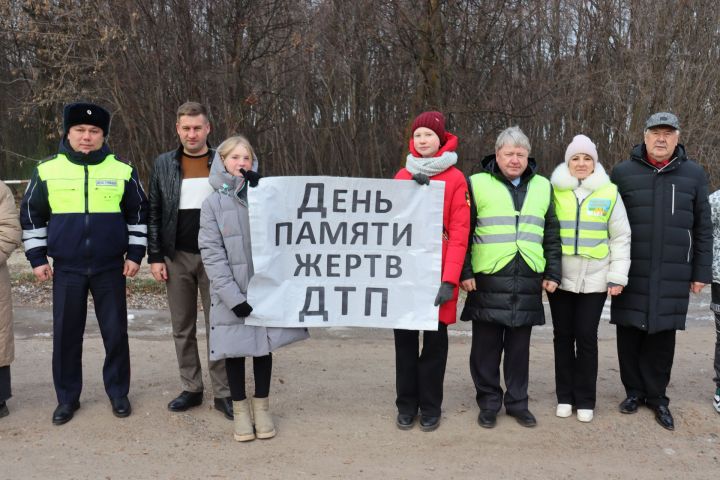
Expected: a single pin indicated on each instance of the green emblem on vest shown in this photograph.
(598, 207)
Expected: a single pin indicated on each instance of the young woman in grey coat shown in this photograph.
(224, 242)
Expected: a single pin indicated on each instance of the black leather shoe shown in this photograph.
(630, 405)
(524, 418)
(428, 423)
(225, 406)
(405, 421)
(487, 418)
(4, 412)
(664, 417)
(121, 407)
(64, 412)
(185, 400)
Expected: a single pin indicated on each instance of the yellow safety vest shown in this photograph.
(74, 188)
(501, 231)
(584, 226)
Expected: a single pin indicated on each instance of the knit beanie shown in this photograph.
(86, 114)
(581, 144)
(435, 121)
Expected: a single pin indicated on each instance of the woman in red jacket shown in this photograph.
(419, 376)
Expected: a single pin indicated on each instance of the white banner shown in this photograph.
(336, 251)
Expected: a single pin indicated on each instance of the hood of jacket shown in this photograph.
(226, 183)
(562, 179)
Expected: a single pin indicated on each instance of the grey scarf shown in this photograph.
(430, 166)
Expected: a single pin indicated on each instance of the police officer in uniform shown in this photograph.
(86, 209)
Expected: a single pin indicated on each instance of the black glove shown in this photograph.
(242, 310)
(445, 293)
(421, 178)
(251, 176)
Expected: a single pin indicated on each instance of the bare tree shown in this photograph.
(330, 87)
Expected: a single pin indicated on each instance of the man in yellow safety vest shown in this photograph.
(514, 254)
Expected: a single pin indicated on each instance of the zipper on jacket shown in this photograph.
(87, 218)
(673, 200)
(514, 302)
(690, 246)
(87, 182)
(577, 223)
(515, 288)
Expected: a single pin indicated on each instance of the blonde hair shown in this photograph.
(229, 144)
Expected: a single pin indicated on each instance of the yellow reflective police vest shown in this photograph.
(501, 231)
(74, 188)
(584, 227)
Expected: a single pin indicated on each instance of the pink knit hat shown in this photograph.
(435, 121)
(581, 144)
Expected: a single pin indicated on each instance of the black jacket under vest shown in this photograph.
(669, 215)
(513, 296)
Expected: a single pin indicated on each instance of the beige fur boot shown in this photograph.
(243, 421)
(264, 426)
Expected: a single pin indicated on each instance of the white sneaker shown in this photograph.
(584, 415)
(716, 400)
(563, 410)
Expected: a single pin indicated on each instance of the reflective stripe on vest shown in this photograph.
(501, 231)
(67, 181)
(584, 227)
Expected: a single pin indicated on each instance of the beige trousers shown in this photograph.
(186, 275)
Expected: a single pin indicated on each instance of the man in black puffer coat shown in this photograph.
(666, 196)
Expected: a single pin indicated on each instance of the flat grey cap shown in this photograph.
(666, 119)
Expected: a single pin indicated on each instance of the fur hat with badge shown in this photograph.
(81, 113)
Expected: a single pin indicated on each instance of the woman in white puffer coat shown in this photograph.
(595, 235)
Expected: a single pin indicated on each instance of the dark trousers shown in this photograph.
(645, 363)
(262, 369)
(575, 318)
(489, 341)
(70, 293)
(419, 376)
(5, 391)
(715, 307)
